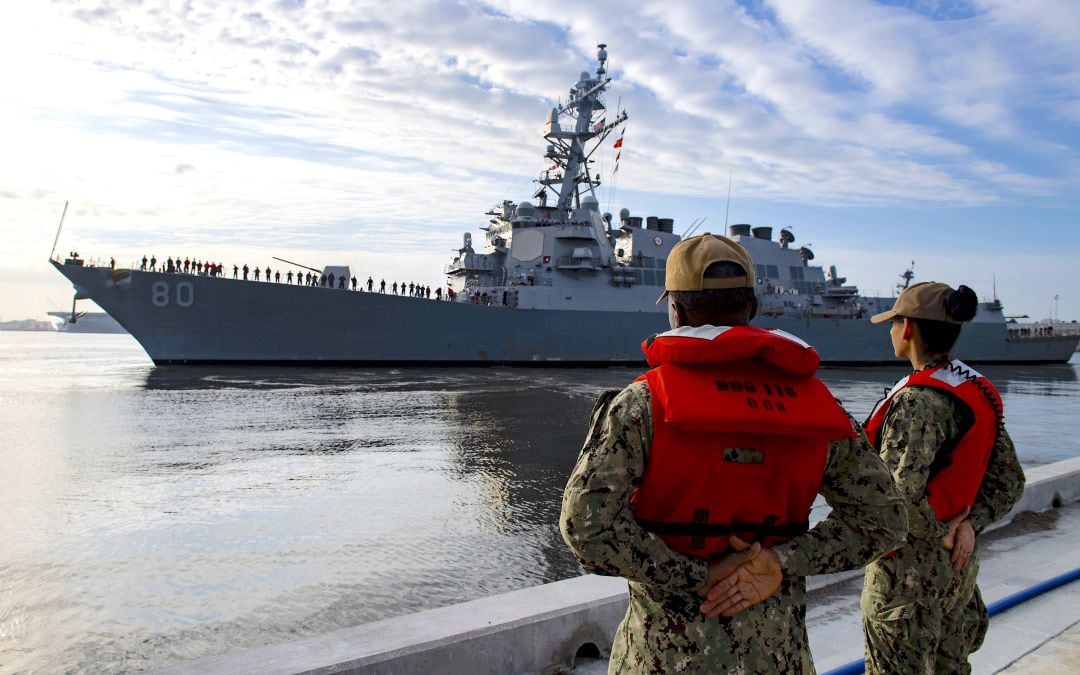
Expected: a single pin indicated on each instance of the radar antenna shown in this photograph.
(907, 276)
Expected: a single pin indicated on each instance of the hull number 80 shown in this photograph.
(183, 294)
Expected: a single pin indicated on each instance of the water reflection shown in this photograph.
(508, 436)
(517, 446)
(1051, 380)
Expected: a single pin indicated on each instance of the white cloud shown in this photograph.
(387, 128)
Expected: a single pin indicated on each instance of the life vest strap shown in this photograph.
(719, 530)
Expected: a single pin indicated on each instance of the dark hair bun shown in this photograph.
(961, 304)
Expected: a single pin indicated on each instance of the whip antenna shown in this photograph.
(60, 227)
(694, 226)
(728, 207)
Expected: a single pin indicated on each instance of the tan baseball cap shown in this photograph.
(924, 300)
(687, 262)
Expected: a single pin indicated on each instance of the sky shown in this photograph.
(375, 134)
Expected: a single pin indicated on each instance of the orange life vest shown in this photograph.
(741, 431)
(953, 486)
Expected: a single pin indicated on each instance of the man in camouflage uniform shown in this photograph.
(667, 627)
(922, 611)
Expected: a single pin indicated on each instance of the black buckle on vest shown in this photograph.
(701, 517)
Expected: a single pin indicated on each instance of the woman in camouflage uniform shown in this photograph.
(940, 432)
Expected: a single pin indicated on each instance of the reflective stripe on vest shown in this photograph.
(953, 487)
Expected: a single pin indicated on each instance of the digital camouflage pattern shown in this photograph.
(919, 616)
(664, 631)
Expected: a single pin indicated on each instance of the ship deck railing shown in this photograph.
(1036, 332)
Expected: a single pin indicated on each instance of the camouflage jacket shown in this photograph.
(920, 423)
(664, 631)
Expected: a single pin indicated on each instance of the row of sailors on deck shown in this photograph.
(328, 280)
(188, 266)
(1038, 331)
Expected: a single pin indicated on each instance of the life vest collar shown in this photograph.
(698, 345)
(954, 373)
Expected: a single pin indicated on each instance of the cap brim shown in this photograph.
(661, 298)
(884, 316)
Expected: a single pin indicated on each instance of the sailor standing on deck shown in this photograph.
(728, 439)
(941, 433)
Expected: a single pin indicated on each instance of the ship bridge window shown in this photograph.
(648, 277)
(661, 263)
(772, 271)
(796, 272)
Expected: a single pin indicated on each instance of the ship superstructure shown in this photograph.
(533, 252)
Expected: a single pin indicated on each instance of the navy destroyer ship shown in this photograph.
(556, 281)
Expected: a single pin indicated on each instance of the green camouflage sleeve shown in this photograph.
(1002, 486)
(867, 518)
(596, 520)
(919, 423)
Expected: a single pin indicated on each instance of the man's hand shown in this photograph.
(752, 581)
(724, 567)
(950, 536)
(963, 545)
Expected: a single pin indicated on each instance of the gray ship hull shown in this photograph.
(189, 319)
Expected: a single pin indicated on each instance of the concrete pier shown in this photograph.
(569, 625)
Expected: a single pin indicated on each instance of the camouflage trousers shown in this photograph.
(927, 625)
(664, 632)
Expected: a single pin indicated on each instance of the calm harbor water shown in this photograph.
(158, 515)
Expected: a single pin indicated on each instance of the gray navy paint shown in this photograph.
(556, 282)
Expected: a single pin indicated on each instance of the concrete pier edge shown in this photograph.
(542, 629)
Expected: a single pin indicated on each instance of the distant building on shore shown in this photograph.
(28, 325)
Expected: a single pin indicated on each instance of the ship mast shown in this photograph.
(570, 129)
(907, 276)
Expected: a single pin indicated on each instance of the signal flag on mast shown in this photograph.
(618, 145)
